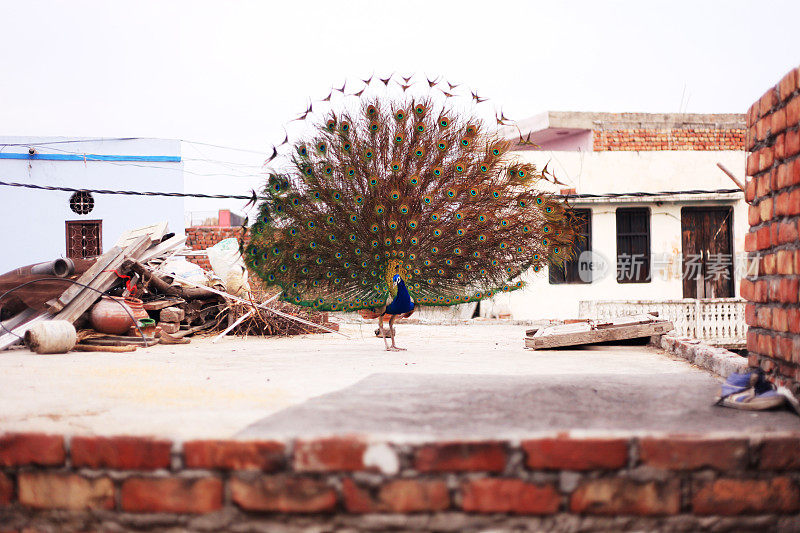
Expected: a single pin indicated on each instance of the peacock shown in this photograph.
(402, 197)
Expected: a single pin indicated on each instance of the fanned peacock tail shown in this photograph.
(403, 182)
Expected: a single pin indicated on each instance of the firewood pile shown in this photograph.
(139, 293)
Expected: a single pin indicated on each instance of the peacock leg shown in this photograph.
(391, 331)
(383, 332)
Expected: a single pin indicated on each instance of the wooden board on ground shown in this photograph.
(591, 332)
(100, 282)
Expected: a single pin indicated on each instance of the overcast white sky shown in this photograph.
(234, 72)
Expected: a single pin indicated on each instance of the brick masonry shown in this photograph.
(648, 481)
(645, 139)
(202, 237)
(773, 192)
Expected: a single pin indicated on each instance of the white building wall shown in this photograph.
(34, 228)
(619, 172)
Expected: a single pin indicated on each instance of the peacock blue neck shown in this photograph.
(402, 302)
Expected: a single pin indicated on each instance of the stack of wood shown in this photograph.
(132, 268)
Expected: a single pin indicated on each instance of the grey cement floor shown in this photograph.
(453, 382)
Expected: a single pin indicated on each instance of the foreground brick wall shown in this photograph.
(644, 482)
(668, 139)
(202, 237)
(773, 139)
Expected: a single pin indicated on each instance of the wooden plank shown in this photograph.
(23, 324)
(609, 333)
(162, 248)
(57, 305)
(102, 282)
(154, 231)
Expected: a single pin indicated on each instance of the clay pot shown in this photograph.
(108, 316)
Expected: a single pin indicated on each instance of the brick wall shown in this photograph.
(608, 483)
(773, 314)
(668, 139)
(202, 237)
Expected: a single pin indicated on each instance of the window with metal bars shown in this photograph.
(569, 271)
(633, 245)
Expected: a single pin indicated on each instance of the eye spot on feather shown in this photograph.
(418, 153)
(400, 116)
(347, 146)
(321, 147)
(399, 138)
(404, 209)
(374, 228)
(437, 171)
(419, 110)
(373, 126)
(413, 180)
(437, 233)
(435, 217)
(392, 225)
(464, 142)
(302, 150)
(373, 182)
(395, 166)
(330, 124)
(359, 200)
(421, 128)
(448, 262)
(476, 254)
(427, 199)
(344, 128)
(372, 110)
(379, 209)
(414, 240)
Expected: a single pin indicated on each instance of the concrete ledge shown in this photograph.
(616, 481)
(717, 360)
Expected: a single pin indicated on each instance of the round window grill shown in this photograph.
(81, 202)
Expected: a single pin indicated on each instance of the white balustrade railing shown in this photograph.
(716, 320)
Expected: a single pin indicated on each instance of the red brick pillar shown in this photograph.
(773, 314)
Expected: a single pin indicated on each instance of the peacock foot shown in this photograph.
(395, 349)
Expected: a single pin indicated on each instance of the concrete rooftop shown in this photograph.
(473, 381)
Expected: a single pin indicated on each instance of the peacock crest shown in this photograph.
(404, 184)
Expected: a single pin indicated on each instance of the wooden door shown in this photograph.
(84, 238)
(707, 242)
